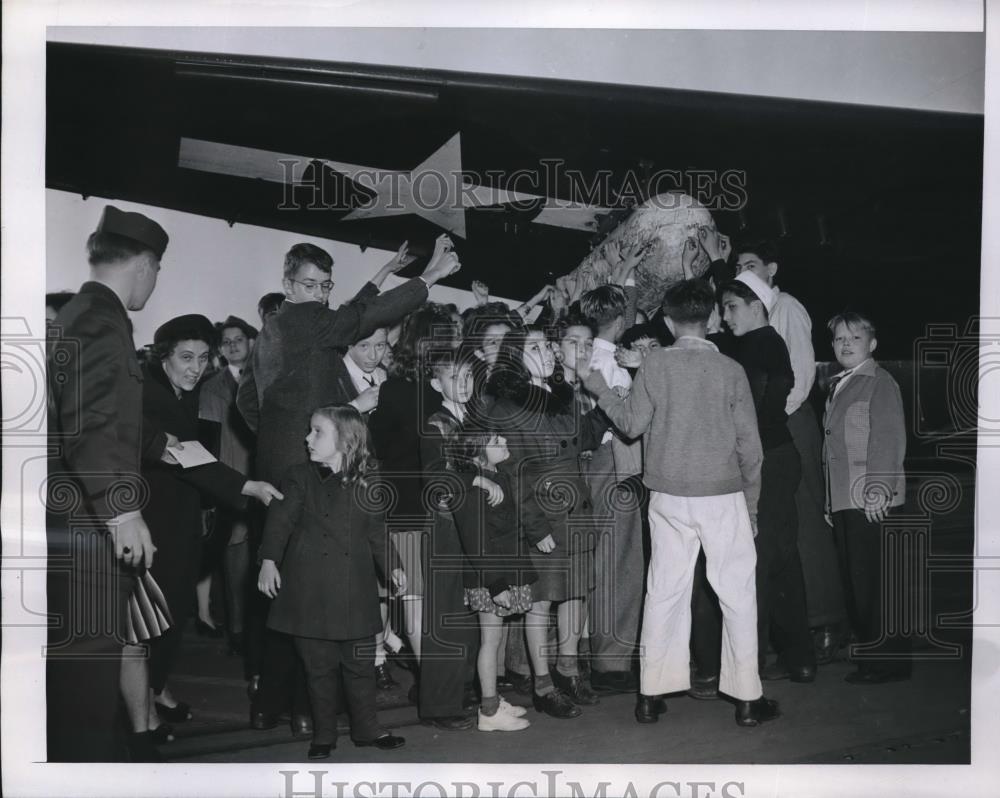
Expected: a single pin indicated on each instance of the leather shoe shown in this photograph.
(753, 713)
(778, 670)
(613, 681)
(321, 751)
(447, 723)
(253, 687)
(164, 733)
(387, 742)
(704, 688)
(556, 704)
(649, 708)
(175, 714)
(876, 677)
(262, 721)
(302, 725)
(383, 679)
(576, 688)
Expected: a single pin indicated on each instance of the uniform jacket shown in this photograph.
(95, 407)
(291, 370)
(864, 439)
(326, 539)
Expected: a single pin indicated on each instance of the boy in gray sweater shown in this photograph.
(693, 407)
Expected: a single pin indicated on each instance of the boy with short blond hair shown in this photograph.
(863, 452)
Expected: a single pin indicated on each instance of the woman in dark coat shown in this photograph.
(182, 348)
(537, 412)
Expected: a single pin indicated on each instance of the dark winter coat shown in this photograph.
(176, 495)
(326, 539)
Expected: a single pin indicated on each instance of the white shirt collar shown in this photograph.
(607, 346)
(360, 378)
(457, 410)
(234, 370)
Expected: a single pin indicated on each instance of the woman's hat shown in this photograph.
(192, 326)
(763, 291)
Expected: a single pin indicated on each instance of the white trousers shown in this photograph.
(679, 526)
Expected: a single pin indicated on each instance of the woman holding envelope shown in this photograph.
(182, 348)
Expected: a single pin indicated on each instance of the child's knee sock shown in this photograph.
(566, 664)
(490, 704)
(543, 684)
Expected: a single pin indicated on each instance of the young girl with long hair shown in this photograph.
(501, 572)
(537, 413)
(318, 557)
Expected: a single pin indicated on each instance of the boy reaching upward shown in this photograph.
(703, 455)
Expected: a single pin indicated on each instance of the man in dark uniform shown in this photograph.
(95, 493)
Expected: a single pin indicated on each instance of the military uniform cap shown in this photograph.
(135, 226)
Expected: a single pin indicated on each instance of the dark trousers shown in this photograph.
(615, 605)
(87, 596)
(824, 592)
(175, 568)
(256, 604)
(450, 642)
(326, 661)
(781, 594)
(859, 548)
(269, 654)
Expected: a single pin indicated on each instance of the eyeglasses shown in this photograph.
(312, 285)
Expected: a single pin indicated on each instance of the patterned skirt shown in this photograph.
(479, 599)
(147, 615)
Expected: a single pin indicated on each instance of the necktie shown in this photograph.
(370, 380)
(835, 380)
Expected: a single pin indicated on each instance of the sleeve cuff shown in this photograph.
(125, 517)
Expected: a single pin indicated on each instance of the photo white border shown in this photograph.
(23, 259)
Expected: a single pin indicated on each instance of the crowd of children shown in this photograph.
(598, 501)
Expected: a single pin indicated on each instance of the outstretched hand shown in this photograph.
(443, 262)
(261, 491)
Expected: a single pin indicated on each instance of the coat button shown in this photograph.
(562, 444)
(828, 432)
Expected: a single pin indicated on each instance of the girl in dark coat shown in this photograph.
(537, 413)
(318, 558)
(500, 573)
(182, 348)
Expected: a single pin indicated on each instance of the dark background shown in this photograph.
(900, 191)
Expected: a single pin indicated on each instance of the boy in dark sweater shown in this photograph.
(703, 455)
